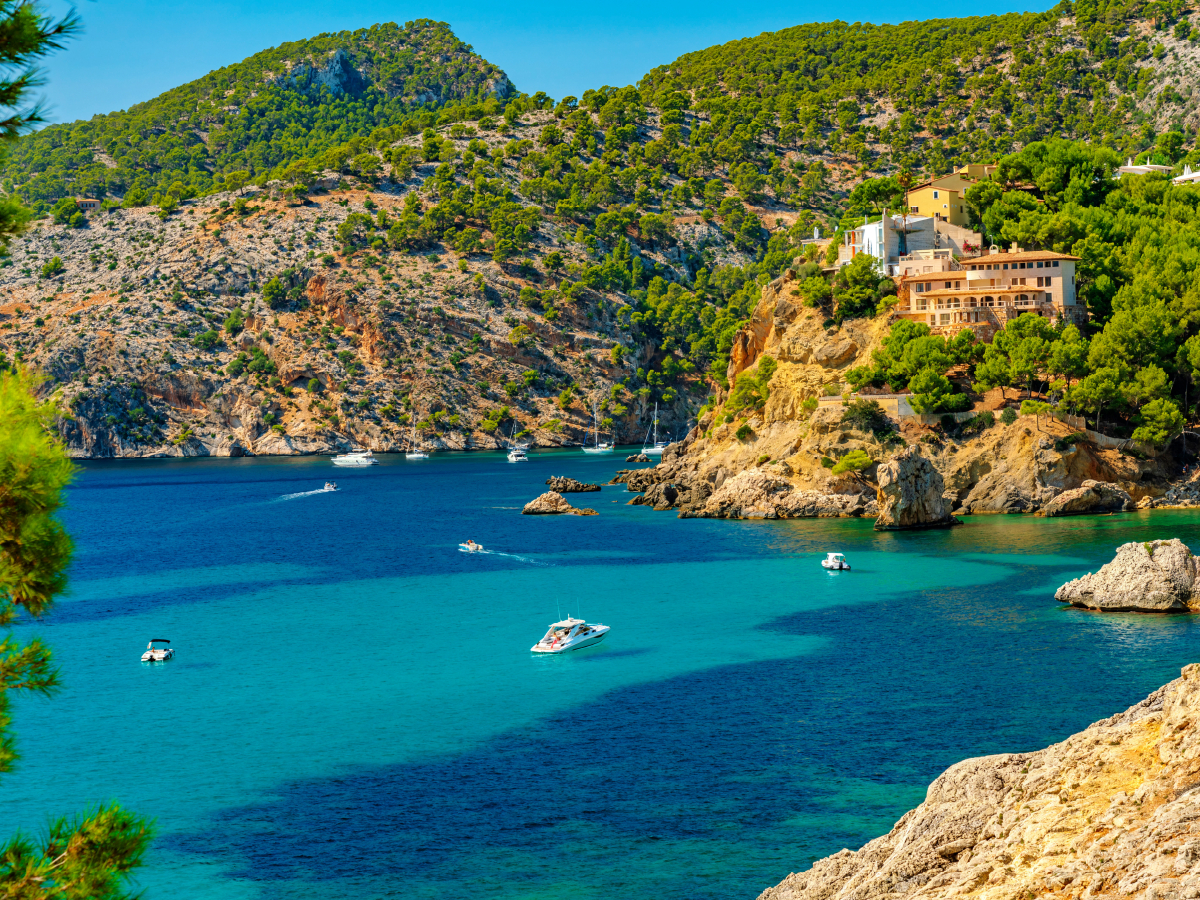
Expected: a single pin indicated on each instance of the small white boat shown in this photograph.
(835, 561)
(658, 446)
(356, 458)
(517, 454)
(570, 634)
(330, 486)
(416, 454)
(599, 448)
(157, 654)
(471, 547)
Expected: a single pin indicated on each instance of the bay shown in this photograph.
(353, 710)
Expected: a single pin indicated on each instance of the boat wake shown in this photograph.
(303, 494)
(524, 559)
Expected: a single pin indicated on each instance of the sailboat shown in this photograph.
(416, 452)
(659, 446)
(516, 452)
(599, 448)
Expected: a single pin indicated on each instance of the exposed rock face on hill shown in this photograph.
(1089, 497)
(1157, 576)
(564, 485)
(757, 494)
(999, 469)
(910, 494)
(553, 504)
(1109, 812)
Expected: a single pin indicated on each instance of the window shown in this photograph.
(1056, 264)
(1006, 266)
(945, 318)
(915, 209)
(1039, 265)
(948, 283)
(922, 303)
(935, 195)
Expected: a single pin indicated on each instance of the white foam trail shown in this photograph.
(526, 559)
(303, 494)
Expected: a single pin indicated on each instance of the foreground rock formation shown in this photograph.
(563, 485)
(910, 494)
(553, 504)
(1089, 497)
(1113, 811)
(757, 494)
(1157, 576)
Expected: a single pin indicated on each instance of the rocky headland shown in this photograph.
(554, 504)
(1155, 576)
(1110, 812)
(910, 494)
(803, 430)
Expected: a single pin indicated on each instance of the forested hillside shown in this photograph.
(297, 100)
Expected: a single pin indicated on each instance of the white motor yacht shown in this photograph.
(517, 454)
(157, 654)
(570, 634)
(356, 458)
(835, 561)
(330, 486)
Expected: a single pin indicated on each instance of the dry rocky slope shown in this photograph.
(1113, 811)
(781, 467)
(392, 339)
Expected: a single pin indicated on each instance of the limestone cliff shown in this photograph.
(1110, 812)
(997, 469)
(1155, 576)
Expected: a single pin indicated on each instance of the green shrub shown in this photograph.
(744, 432)
(854, 461)
(766, 457)
(866, 415)
(206, 340)
(827, 463)
(810, 404)
(1008, 416)
(314, 385)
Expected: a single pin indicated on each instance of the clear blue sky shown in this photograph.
(132, 50)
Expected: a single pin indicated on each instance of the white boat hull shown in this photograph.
(416, 456)
(653, 451)
(588, 640)
(843, 567)
(597, 449)
(157, 655)
(355, 463)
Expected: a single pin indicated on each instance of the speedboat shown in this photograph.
(330, 486)
(835, 561)
(157, 654)
(570, 634)
(517, 454)
(356, 458)
(471, 547)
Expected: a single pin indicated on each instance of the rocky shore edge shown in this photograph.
(1150, 576)
(1109, 812)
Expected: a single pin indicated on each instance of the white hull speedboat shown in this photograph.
(355, 459)
(570, 634)
(330, 486)
(517, 454)
(471, 547)
(416, 454)
(835, 562)
(157, 654)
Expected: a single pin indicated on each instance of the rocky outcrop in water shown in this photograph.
(564, 485)
(638, 457)
(1157, 576)
(1113, 811)
(1090, 497)
(553, 504)
(910, 494)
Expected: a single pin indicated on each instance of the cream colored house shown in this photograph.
(986, 292)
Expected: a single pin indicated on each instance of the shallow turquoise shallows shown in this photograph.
(354, 711)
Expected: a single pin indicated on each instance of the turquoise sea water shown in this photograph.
(353, 711)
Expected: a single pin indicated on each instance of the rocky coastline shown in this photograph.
(1154, 576)
(1109, 812)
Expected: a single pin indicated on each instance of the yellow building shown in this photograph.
(945, 197)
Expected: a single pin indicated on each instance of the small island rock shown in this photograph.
(564, 485)
(1089, 497)
(638, 457)
(553, 504)
(1157, 576)
(910, 494)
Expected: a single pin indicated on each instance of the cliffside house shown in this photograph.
(944, 196)
(1141, 169)
(87, 203)
(987, 291)
(887, 239)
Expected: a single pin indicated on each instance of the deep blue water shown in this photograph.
(353, 711)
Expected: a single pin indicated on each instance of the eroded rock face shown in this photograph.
(1090, 497)
(1109, 812)
(553, 504)
(564, 485)
(1157, 576)
(757, 494)
(910, 494)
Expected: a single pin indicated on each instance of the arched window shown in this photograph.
(989, 301)
(972, 302)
